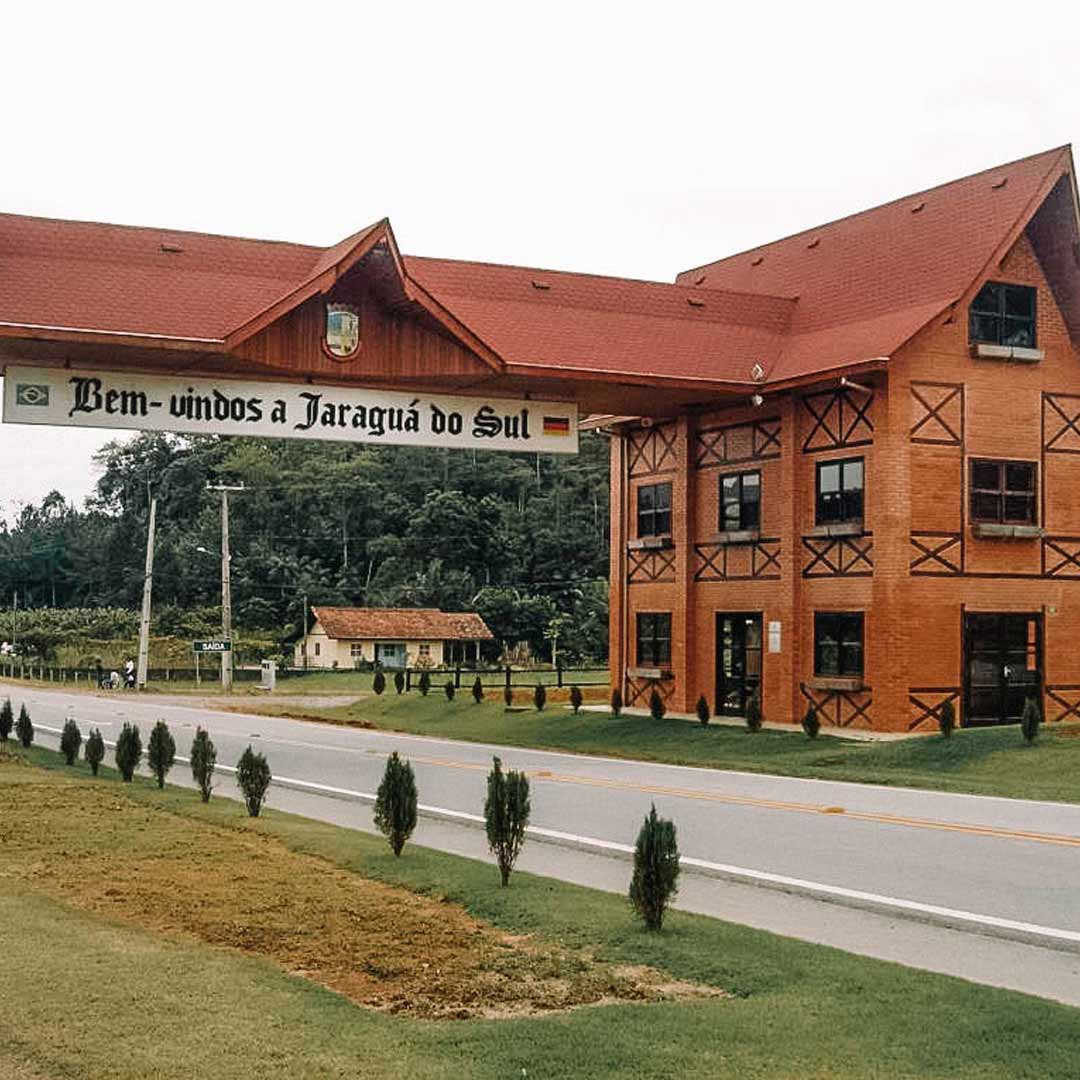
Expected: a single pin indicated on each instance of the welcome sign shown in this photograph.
(207, 406)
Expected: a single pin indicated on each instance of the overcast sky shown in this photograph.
(613, 138)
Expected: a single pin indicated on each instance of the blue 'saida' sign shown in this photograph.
(208, 406)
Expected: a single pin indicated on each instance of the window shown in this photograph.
(839, 491)
(424, 650)
(1003, 491)
(654, 510)
(356, 649)
(316, 648)
(653, 639)
(740, 502)
(1004, 315)
(838, 644)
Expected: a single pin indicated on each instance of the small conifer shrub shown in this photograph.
(203, 760)
(70, 741)
(128, 751)
(657, 709)
(378, 684)
(508, 696)
(811, 724)
(449, 689)
(477, 690)
(7, 720)
(24, 729)
(703, 711)
(754, 718)
(946, 719)
(425, 682)
(95, 750)
(161, 751)
(539, 697)
(399, 682)
(656, 870)
(506, 816)
(253, 776)
(1030, 719)
(395, 803)
(616, 702)
(575, 698)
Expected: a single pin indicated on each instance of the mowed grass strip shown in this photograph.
(991, 761)
(90, 995)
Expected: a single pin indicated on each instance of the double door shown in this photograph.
(1003, 666)
(738, 660)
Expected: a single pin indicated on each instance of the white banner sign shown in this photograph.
(205, 406)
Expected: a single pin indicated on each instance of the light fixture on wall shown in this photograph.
(757, 400)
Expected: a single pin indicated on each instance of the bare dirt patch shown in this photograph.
(381, 946)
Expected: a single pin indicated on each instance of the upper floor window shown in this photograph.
(839, 491)
(654, 639)
(1004, 315)
(838, 644)
(654, 510)
(740, 502)
(1003, 491)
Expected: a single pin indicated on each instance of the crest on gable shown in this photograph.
(342, 337)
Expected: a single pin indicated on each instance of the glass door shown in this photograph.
(1003, 666)
(738, 660)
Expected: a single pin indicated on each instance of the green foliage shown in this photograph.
(656, 870)
(70, 741)
(754, 719)
(508, 696)
(449, 689)
(7, 720)
(616, 702)
(1030, 719)
(24, 729)
(703, 711)
(378, 683)
(811, 723)
(399, 682)
(539, 697)
(128, 751)
(657, 709)
(161, 751)
(575, 698)
(95, 750)
(425, 682)
(947, 719)
(506, 816)
(203, 760)
(253, 777)
(477, 690)
(395, 802)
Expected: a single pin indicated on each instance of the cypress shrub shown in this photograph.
(449, 689)
(253, 776)
(703, 711)
(95, 750)
(656, 870)
(539, 697)
(399, 682)
(203, 760)
(753, 715)
(946, 719)
(477, 690)
(395, 803)
(810, 722)
(7, 720)
(656, 705)
(506, 815)
(23, 728)
(161, 751)
(508, 696)
(378, 684)
(616, 702)
(1030, 719)
(425, 682)
(70, 741)
(575, 698)
(128, 751)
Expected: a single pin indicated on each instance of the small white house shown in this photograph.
(392, 637)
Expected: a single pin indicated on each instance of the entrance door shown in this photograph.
(1004, 666)
(738, 660)
(390, 654)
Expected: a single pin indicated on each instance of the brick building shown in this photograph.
(877, 537)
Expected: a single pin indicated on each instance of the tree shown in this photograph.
(253, 776)
(656, 705)
(95, 750)
(128, 751)
(575, 698)
(449, 689)
(1030, 719)
(811, 724)
(24, 729)
(616, 702)
(753, 714)
(703, 711)
(395, 802)
(161, 751)
(539, 697)
(477, 690)
(70, 741)
(7, 720)
(399, 682)
(656, 870)
(203, 760)
(425, 682)
(378, 684)
(506, 816)
(946, 719)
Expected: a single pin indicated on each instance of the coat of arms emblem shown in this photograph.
(342, 338)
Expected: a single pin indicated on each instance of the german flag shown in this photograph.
(556, 425)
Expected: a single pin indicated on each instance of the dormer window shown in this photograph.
(1004, 315)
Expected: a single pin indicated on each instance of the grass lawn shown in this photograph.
(92, 986)
(991, 761)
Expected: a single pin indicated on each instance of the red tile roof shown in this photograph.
(404, 624)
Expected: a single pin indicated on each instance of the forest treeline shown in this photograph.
(520, 538)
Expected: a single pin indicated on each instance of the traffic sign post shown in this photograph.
(212, 645)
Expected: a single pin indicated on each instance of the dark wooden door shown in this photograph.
(1003, 660)
(738, 660)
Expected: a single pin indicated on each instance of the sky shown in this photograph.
(614, 138)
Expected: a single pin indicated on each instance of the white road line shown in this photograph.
(992, 925)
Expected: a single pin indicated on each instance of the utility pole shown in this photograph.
(148, 580)
(303, 648)
(226, 595)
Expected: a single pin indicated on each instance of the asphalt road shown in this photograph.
(887, 860)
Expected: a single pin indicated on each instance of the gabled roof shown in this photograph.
(406, 624)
